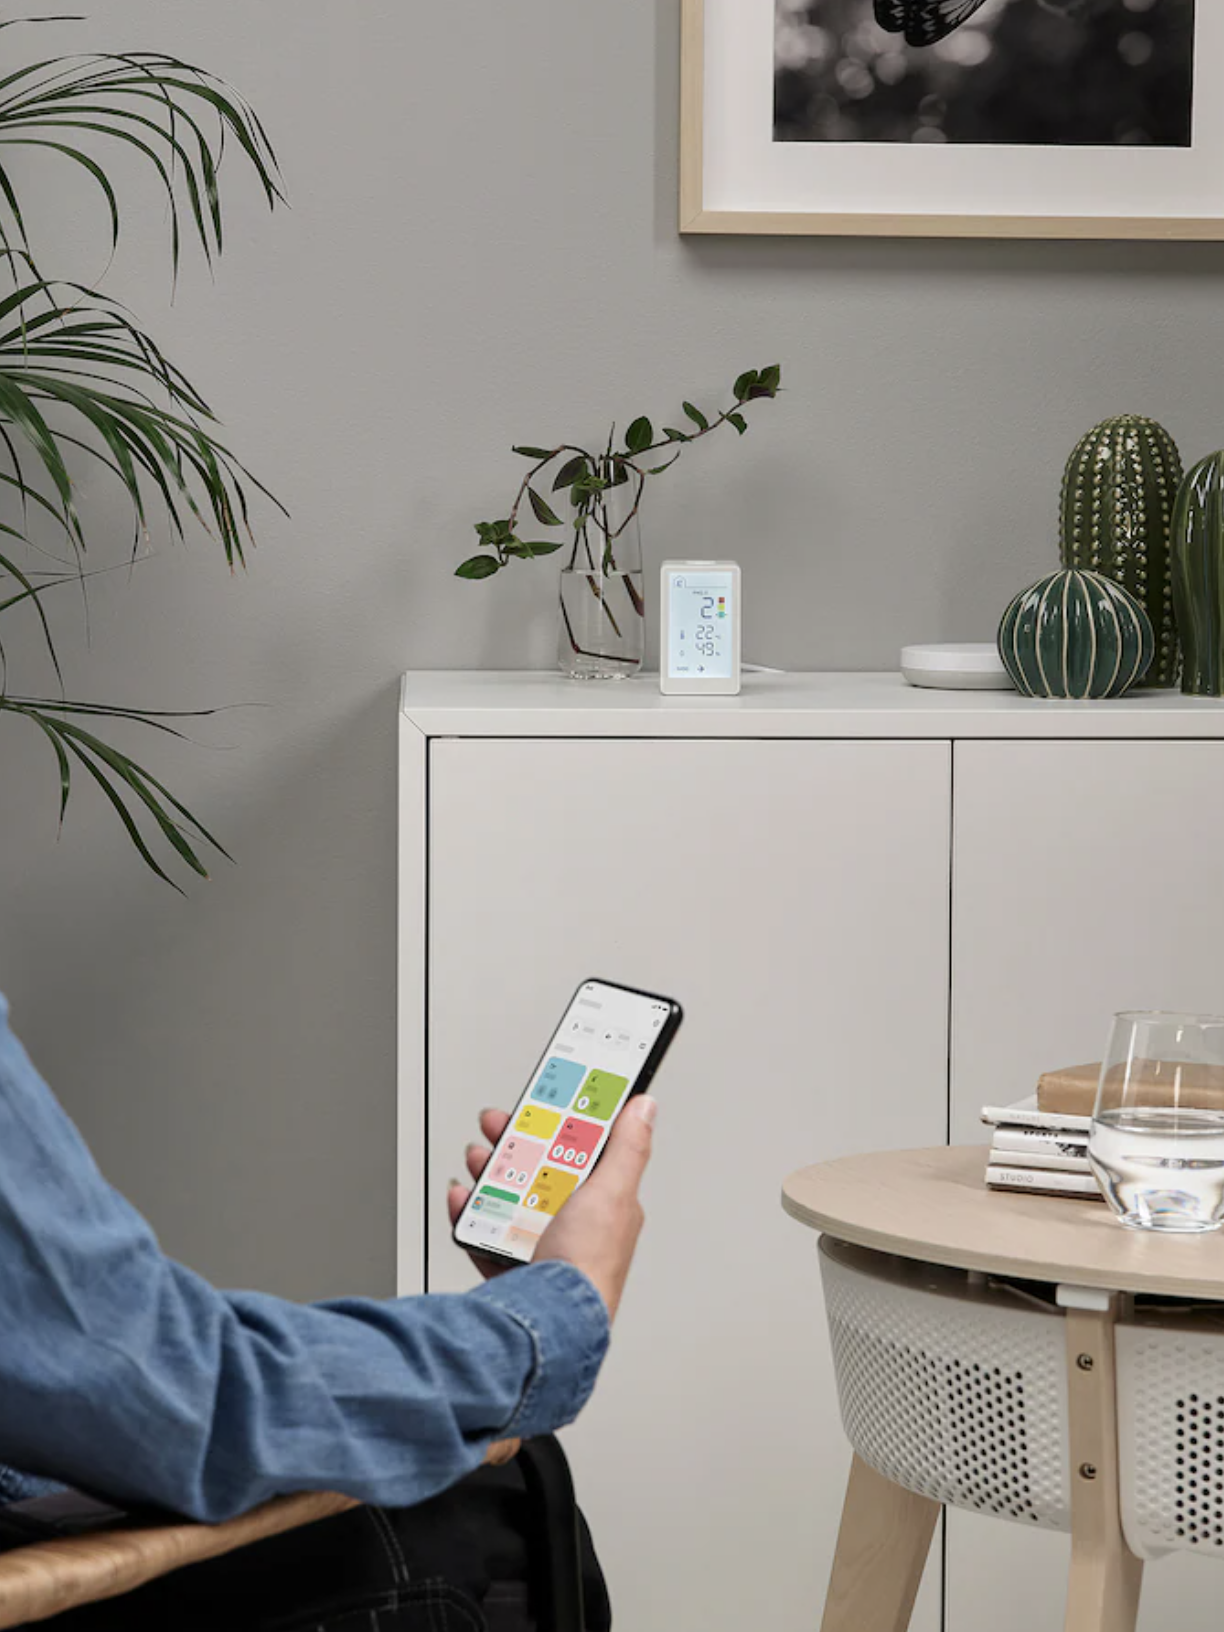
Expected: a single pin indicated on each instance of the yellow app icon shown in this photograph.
(538, 1122)
(550, 1189)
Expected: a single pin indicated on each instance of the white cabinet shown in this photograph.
(793, 896)
(1087, 877)
(821, 871)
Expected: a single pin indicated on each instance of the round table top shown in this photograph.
(933, 1205)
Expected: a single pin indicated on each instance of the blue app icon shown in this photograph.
(558, 1083)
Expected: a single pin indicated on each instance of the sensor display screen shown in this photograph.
(700, 643)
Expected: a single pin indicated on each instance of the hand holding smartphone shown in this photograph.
(603, 1053)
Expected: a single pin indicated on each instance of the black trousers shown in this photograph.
(471, 1560)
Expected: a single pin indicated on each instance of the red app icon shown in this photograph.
(574, 1143)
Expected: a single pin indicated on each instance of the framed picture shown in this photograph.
(953, 118)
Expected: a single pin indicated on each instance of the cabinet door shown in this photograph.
(1087, 877)
(793, 897)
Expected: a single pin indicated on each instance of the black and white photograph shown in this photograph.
(1040, 73)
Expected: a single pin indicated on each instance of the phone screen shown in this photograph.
(605, 1049)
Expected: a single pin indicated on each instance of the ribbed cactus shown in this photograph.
(1198, 577)
(1075, 634)
(1117, 508)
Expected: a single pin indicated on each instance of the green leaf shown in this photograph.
(640, 435)
(544, 513)
(697, 417)
(525, 550)
(738, 420)
(65, 768)
(86, 163)
(771, 377)
(142, 785)
(120, 778)
(478, 566)
(534, 453)
(78, 376)
(745, 384)
(673, 435)
(164, 100)
(570, 471)
(32, 592)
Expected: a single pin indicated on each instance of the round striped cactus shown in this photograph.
(1117, 509)
(1076, 634)
(1198, 576)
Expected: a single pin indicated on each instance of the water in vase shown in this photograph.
(602, 629)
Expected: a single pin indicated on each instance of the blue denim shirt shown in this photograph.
(125, 1374)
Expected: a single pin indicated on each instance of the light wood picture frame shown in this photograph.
(736, 178)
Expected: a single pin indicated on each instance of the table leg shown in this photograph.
(1106, 1577)
(882, 1549)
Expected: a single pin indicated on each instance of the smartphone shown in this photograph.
(606, 1049)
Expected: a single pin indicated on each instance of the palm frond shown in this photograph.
(175, 116)
(132, 791)
(79, 377)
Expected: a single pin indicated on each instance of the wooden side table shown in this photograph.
(981, 1341)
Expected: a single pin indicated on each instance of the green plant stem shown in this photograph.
(590, 477)
(628, 462)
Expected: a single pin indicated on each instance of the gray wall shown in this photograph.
(481, 250)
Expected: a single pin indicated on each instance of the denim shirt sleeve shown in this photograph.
(125, 1373)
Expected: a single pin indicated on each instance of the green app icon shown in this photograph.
(500, 1195)
(499, 1205)
(600, 1094)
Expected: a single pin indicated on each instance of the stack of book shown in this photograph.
(1041, 1144)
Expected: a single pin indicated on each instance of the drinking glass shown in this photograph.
(1157, 1139)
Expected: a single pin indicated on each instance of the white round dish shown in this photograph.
(974, 666)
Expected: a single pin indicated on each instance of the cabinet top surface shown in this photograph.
(489, 703)
(933, 1205)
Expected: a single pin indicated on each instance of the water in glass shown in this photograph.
(1160, 1168)
(1157, 1139)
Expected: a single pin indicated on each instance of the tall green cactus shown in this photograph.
(1198, 576)
(1117, 509)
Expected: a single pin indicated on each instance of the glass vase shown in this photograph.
(601, 632)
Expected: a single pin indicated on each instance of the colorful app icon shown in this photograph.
(558, 1082)
(550, 1190)
(516, 1162)
(574, 1142)
(600, 1095)
(538, 1123)
(497, 1206)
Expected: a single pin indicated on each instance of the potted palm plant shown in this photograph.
(81, 382)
